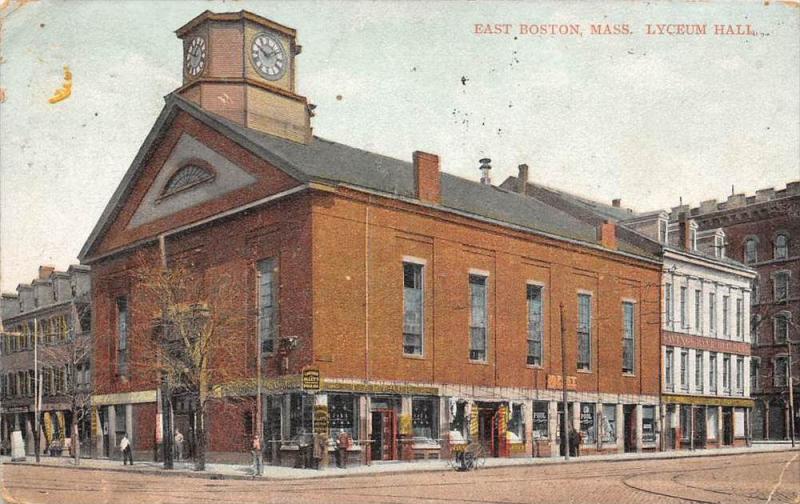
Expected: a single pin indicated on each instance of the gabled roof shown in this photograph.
(330, 162)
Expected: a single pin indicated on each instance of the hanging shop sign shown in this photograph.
(321, 419)
(554, 381)
(311, 380)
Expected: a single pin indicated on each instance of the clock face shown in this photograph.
(269, 58)
(196, 56)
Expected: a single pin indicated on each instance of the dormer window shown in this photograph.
(188, 176)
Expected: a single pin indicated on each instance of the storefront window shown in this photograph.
(540, 427)
(459, 416)
(609, 423)
(423, 418)
(587, 423)
(516, 424)
(648, 424)
(712, 424)
(685, 422)
(301, 414)
(341, 411)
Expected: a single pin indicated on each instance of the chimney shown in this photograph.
(522, 179)
(485, 167)
(685, 231)
(427, 185)
(608, 234)
(616, 203)
(45, 272)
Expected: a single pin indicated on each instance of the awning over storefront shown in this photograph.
(708, 401)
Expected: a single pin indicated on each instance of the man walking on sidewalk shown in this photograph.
(125, 446)
(256, 450)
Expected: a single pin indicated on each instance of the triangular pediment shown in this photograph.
(149, 201)
(189, 155)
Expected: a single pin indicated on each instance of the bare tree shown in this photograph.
(193, 345)
(68, 351)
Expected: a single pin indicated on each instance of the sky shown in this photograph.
(650, 119)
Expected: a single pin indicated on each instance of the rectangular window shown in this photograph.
(535, 325)
(726, 373)
(668, 305)
(423, 418)
(301, 414)
(712, 422)
(740, 375)
(342, 413)
(608, 427)
(685, 414)
(628, 337)
(726, 325)
(584, 331)
(587, 423)
(540, 420)
(267, 305)
(781, 371)
(669, 369)
(412, 309)
(684, 370)
(684, 317)
(698, 371)
(781, 285)
(648, 424)
(478, 317)
(122, 336)
(739, 319)
(781, 327)
(712, 373)
(698, 310)
(516, 424)
(755, 375)
(712, 311)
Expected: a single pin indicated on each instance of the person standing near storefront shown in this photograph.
(343, 443)
(256, 450)
(179, 444)
(125, 446)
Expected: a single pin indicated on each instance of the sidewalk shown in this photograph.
(231, 471)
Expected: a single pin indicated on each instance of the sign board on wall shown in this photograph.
(555, 382)
(311, 379)
(321, 419)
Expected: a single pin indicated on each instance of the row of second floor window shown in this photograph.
(54, 381)
(53, 330)
(781, 285)
(691, 305)
(780, 325)
(413, 321)
(706, 372)
(780, 248)
(776, 372)
(413, 334)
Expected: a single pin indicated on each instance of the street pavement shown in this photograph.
(767, 477)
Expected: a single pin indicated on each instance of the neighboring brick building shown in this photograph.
(705, 335)
(55, 306)
(762, 231)
(428, 304)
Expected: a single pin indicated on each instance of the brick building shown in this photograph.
(55, 307)
(705, 306)
(409, 307)
(762, 231)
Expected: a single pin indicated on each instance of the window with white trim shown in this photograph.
(478, 317)
(535, 325)
(698, 370)
(267, 305)
(584, 332)
(412, 308)
(628, 337)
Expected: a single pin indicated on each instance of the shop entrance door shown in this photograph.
(699, 429)
(487, 431)
(384, 435)
(629, 419)
(727, 426)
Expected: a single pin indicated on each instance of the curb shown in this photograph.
(322, 475)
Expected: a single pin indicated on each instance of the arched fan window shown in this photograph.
(188, 176)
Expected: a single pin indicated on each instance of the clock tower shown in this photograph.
(242, 66)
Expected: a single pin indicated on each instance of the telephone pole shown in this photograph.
(565, 414)
(791, 389)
